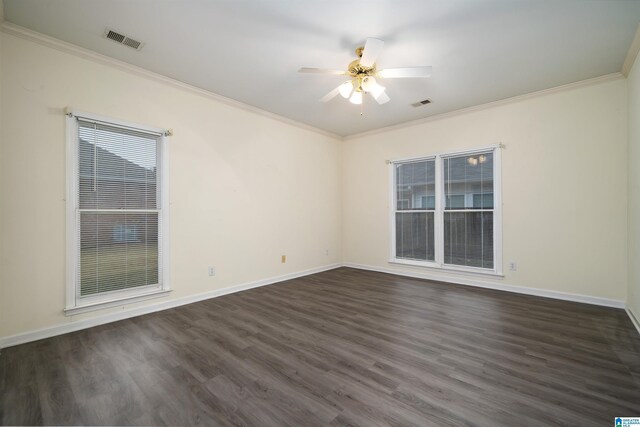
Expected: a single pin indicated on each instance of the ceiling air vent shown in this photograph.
(122, 39)
(421, 103)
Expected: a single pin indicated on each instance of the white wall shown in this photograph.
(245, 188)
(633, 298)
(564, 187)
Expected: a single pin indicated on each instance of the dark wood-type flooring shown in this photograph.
(343, 347)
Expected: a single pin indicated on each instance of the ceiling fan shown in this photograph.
(363, 73)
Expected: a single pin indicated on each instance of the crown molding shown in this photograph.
(632, 54)
(42, 39)
(489, 105)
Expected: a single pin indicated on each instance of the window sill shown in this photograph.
(99, 305)
(447, 269)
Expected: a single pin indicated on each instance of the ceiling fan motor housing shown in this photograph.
(359, 71)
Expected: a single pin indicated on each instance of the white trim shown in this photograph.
(438, 216)
(138, 311)
(632, 54)
(447, 154)
(102, 304)
(392, 208)
(91, 117)
(413, 159)
(635, 320)
(445, 267)
(497, 211)
(42, 39)
(489, 105)
(470, 152)
(470, 281)
(71, 235)
(165, 214)
(73, 303)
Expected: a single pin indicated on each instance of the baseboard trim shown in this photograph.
(635, 320)
(77, 325)
(471, 281)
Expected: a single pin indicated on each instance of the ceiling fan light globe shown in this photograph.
(356, 98)
(345, 89)
(368, 83)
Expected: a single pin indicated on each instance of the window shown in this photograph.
(117, 219)
(446, 211)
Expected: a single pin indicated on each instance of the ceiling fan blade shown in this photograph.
(409, 72)
(383, 98)
(330, 95)
(308, 70)
(372, 49)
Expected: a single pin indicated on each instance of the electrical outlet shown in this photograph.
(327, 252)
(284, 259)
(513, 266)
(212, 271)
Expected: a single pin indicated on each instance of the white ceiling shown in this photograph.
(250, 50)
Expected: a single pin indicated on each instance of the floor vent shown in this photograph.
(421, 103)
(122, 39)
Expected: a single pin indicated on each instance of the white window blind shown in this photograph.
(118, 210)
(414, 210)
(468, 215)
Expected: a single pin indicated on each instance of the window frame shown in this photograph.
(73, 303)
(438, 263)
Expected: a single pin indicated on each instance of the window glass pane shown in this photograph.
(415, 185)
(468, 239)
(455, 201)
(468, 181)
(117, 251)
(429, 202)
(118, 201)
(483, 201)
(415, 235)
(117, 168)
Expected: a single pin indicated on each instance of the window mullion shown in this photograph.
(439, 215)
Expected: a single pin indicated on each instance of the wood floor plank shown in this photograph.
(342, 347)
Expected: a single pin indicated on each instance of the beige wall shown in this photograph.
(633, 298)
(564, 187)
(245, 188)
